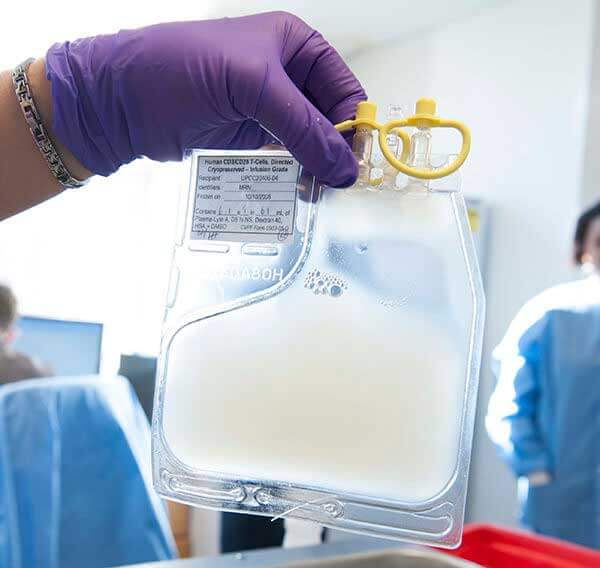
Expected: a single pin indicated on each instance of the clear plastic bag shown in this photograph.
(324, 367)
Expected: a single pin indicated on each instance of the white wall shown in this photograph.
(518, 75)
(590, 192)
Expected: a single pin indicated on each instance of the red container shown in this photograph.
(495, 547)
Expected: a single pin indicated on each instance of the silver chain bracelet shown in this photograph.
(34, 121)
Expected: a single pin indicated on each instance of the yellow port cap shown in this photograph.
(366, 110)
(425, 106)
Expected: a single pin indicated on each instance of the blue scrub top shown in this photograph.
(544, 414)
(75, 476)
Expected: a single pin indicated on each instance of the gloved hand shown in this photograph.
(227, 83)
(539, 478)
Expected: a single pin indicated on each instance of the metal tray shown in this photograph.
(402, 558)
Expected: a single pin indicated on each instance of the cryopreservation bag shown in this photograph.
(321, 346)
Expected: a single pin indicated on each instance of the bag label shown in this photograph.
(245, 198)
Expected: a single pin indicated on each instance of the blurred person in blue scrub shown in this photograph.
(544, 415)
(14, 366)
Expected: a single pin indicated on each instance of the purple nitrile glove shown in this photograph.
(234, 83)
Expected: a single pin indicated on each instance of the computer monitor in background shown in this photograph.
(67, 347)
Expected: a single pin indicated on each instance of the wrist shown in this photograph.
(42, 94)
(92, 101)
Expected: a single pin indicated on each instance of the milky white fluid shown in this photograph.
(340, 391)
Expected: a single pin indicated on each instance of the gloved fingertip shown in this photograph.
(345, 172)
